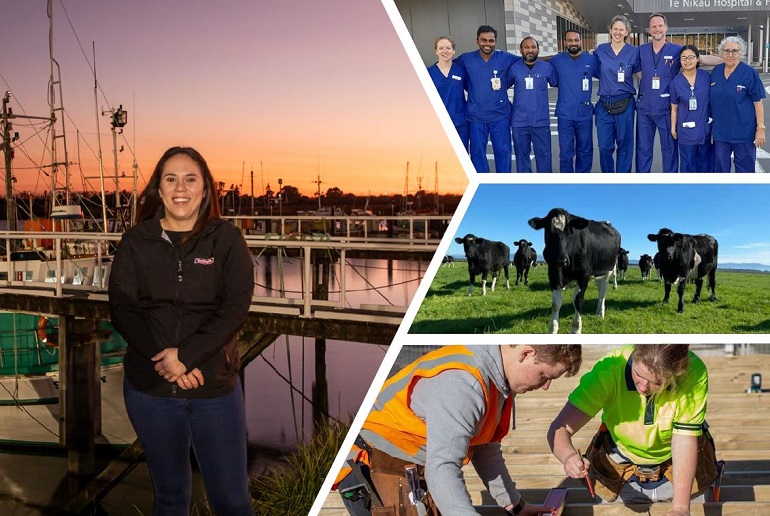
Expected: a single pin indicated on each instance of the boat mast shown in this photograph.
(57, 115)
(10, 200)
(99, 146)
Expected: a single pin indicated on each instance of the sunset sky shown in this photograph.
(289, 89)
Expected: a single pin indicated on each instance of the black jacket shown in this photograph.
(195, 297)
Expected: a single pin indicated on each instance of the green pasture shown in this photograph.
(637, 306)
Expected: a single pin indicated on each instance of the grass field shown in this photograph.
(637, 306)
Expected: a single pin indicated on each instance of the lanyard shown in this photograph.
(654, 60)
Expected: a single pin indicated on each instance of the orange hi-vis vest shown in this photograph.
(392, 418)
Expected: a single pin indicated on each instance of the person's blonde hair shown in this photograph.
(667, 362)
(448, 38)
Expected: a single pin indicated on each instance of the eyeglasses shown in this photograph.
(731, 51)
(688, 58)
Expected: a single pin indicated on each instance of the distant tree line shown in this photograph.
(286, 198)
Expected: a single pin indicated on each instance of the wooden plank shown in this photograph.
(106, 480)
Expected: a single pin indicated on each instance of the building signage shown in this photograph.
(664, 6)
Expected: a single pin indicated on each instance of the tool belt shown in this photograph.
(389, 480)
(608, 475)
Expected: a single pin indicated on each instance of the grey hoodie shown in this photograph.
(452, 406)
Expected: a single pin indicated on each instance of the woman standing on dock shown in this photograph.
(180, 288)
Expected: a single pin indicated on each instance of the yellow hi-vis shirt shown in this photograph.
(640, 425)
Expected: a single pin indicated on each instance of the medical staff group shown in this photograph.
(704, 122)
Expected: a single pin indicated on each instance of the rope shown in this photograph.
(294, 388)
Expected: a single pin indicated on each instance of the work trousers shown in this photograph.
(696, 158)
(576, 145)
(744, 156)
(216, 430)
(646, 125)
(612, 130)
(537, 139)
(500, 134)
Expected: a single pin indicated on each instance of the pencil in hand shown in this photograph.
(588, 480)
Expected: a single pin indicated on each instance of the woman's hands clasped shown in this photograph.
(168, 366)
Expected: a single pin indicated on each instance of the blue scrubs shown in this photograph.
(696, 151)
(530, 120)
(653, 107)
(489, 110)
(735, 122)
(574, 111)
(612, 129)
(452, 92)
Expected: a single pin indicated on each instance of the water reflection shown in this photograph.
(273, 418)
(385, 282)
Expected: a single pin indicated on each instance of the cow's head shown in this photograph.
(668, 241)
(558, 226)
(522, 244)
(470, 244)
(622, 251)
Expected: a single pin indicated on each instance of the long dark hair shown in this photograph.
(151, 205)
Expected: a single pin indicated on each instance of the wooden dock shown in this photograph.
(739, 423)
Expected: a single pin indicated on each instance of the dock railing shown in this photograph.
(55, 270)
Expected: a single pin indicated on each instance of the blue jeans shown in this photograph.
(216, 429)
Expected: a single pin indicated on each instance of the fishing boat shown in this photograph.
(28, 342)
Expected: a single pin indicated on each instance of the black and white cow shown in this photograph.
(485, 256)
(656, 264)
(524, 258)
(686, 256)
(576, 250)
(448, 261)
(645, 265)
(622, 264)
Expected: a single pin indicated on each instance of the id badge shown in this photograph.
(529, 83)
(496, 85)
(693, 104)
(585, 84)
(621, 75)
(656, 83)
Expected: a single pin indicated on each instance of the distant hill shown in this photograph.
(747, 267)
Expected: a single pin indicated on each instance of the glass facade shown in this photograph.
(707, 43)
(587, 36)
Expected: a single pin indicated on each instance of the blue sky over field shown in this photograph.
(736, 215)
